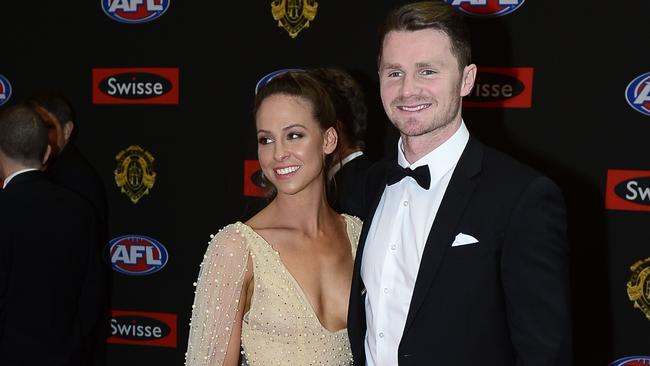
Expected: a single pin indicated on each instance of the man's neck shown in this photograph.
(415, 147)
(347, 150)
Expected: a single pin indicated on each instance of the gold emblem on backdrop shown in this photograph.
(134, 174)
(638, 288)
(294, 15)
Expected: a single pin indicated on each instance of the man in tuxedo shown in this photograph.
(67, 166)
(345, 178)
(463, 255)
(49, 261)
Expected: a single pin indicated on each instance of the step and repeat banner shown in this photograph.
(163, 92)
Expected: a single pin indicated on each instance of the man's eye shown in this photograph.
(394, 74)
(264, 140)
(427, 72)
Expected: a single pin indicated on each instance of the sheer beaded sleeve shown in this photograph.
(216, 298)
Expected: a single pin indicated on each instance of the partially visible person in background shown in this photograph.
(346, 175)
(50, 265)
(68, 168)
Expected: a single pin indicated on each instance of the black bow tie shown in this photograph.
(421, 175)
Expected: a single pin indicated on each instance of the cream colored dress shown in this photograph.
(281, 327)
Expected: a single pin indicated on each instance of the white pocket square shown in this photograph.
(463, 239)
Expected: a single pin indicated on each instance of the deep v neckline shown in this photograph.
(296, 284)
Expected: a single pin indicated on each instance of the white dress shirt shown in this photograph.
(4, 184)
(394, 247)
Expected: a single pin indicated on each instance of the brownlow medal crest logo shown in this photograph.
(294, 15)
(134, 174)
(638, 288)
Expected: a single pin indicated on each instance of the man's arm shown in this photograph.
(535, 277)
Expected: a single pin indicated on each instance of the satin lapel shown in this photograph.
(376, 190)
(445, 225)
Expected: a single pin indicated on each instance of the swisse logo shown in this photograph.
(135, 11)
(253, 181)
(5, 90)
(149, 329)
(628, 190)
(137, 255)
(632, 361)
(486, 8)
(135, 86)
(502, 87)
(637, 94)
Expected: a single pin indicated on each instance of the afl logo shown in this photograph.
(137, 255)
(632, 361)
(637, 94)
(5, 90)
(135, 11)
(486, 8)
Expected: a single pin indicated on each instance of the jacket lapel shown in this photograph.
(376, 182)
(445, 225)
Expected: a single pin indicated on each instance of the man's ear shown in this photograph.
(46, 156)
(330, 140)
(467, 83)
(67, 131)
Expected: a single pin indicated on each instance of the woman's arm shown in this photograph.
(217, 310)
(234, 345)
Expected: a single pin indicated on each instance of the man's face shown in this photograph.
(420, 81)
(55, 135)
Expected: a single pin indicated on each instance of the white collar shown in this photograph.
(335, 169)
(14, 175)
(443, 157)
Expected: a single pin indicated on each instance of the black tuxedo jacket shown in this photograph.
(347, 186)
(72, 171)
(502, 301)
(49, 274)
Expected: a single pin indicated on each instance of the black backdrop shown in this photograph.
(579, 129)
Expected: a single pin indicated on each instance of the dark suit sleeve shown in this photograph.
(50, 265)
(534, 267)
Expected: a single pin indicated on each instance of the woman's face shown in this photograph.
(291, 146)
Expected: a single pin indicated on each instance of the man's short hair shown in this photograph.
(56, 103)
(436, 15)
(23, 135)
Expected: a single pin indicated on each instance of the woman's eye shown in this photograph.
(394, 74)
(264, 140)
(294, 135)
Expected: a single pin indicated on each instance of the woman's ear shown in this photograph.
(330, 140)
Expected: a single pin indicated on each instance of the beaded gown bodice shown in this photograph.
(280, 328)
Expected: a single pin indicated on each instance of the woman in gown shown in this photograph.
(278, 285)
